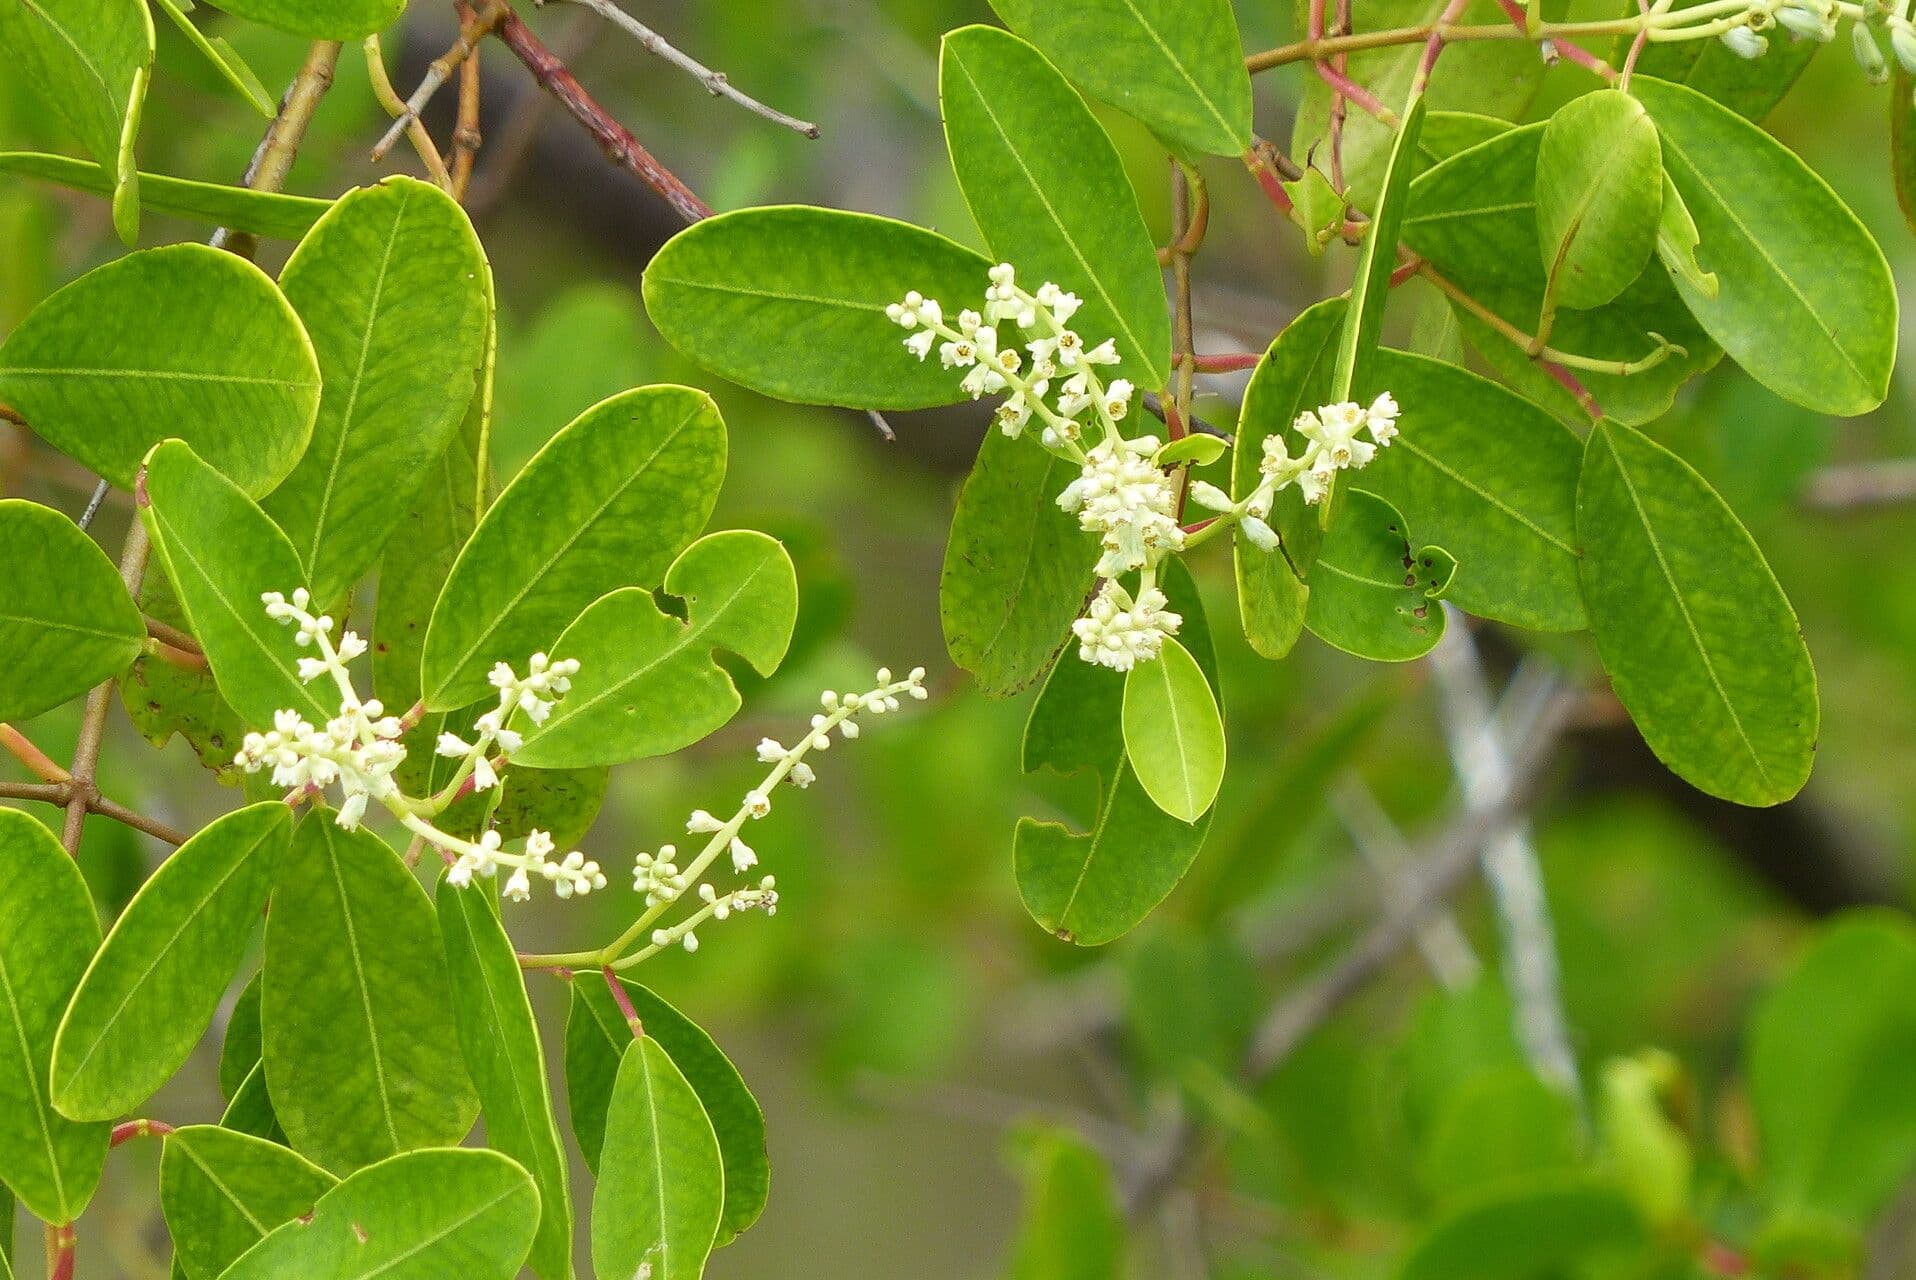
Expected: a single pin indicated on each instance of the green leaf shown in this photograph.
(1047, 189)
(1374, 592)
(1017, 568)
(1702, 647)
(1196, 449)
(1902, 142)
(1677, 242)
(790, 302)
(1648, 1150)
(361, 1055)
(1175, 65)
(1805, 301)
(608, 503)
(319, 19)
(1294, 375)
(502, 1050)
(221, 554)
(647, 684)
(162, 699)
(1094, 887)
(48, 932)
(240, 1049)
(250, 1111)
(1545, 1227)
(1492, 479)
(266, 213)
(155, 984)
(1474, 218)
(395, 292)
(1174, 733)
(1497, 1127)
(66, 621)
(83, 60)
(1599, 197)
(1828, 1048)
(661, 1184)
(596, 1036)
(182, 341)
(425, 1215)
(1071, 1229)
(222, 1192)
(225, 59)
(1376, 259)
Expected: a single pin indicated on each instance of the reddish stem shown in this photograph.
(1268, 180)
(1230, 362)
(1193, 528)
(624, 1001)
(60, 1242)
(1349, 88)
(42, 765)
(131, 1129)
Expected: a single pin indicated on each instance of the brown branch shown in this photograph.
(173, 637)
(273, 158)
(472, 29)
(22, 749)
(61, 794)
(620, 147)
(388, 97)
(465, 130)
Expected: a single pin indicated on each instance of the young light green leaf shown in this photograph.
(1072, 1228)
(1805, 301)
(155, 984)
(82, 59)
(1677, 242)
(320, 19)
(596, 1037)
(225, 59)
(48, 932)
(396, 295)
(66, 621)
(1174, 733)
(1827, 1049)
(608, 503)
(1647, 1146)
(790, 302)
(425, 1215)
(1197, 449)
(1176, 65)
(661, 1184)
(126, 176)
(503, 1054)
(1541, 1226)
(1599, 197)
(1376, 259)
(181, 341)
(1047, 189)
(223, 1191)
(647, 683)
(1017, 568)
(265, 213)
(1094, 887)
(221, 554)
(1492, 479)
(1294, 376)
(1374, 593)
(362, 1059)
(1701, 646)
(1321, 211)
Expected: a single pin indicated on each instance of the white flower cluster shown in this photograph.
(761, 897)
(544, 684)
(1122, 495)
(1818, 20)
(574, 875)
(1057, 354)
(1119, 630)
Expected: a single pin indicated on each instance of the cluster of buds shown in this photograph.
(760, 897)
(574, 875)
(534, 695)
(1818, 20)
(1120, 630)
(1122, 495)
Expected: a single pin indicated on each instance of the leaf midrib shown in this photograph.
(364, 990)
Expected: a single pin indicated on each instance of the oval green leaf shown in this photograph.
(1175, 65)
(1805, 302)
(790, 301)
(396, 294)
(608, 503)
(222, 554)
(1017, 568)
(596, 1036)
(66, 621)
(155, 984)
(265, 213)
(507, 1064)
(1072, 1228)
(1095, 887)
(1374, 593)
(82, 59)
(1047, 189)
(647, 682)
(1599, 197)
(362, 1059)
(223, 1191)
(48, 933)
(425, 1215)
(661, 1183)
(1702, 647)
(320, 19)
(1492, 479)
(1174, 733)
(182, 341)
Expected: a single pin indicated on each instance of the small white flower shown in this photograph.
(703, 823)
(1745, 42)
(690, 941)
(1260, 534)
(919, 344)
(1210, 496)
(484, 776)
(518, 886)
(757, 803)
(351, 810)
(311, 669)
(743, 857)
(1119, 633)
(450, 744)
(801, 775)
(770, 751)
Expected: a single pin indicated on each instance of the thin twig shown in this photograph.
(883, 427)
(93, 504)
(473, 29)
(273, 158)
(173, 636)
(715, 82)
(466, 138)
(21, 748)
(620, 147)
(416, 133)
(1159, 410)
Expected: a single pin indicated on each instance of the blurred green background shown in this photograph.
(901, 1015)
